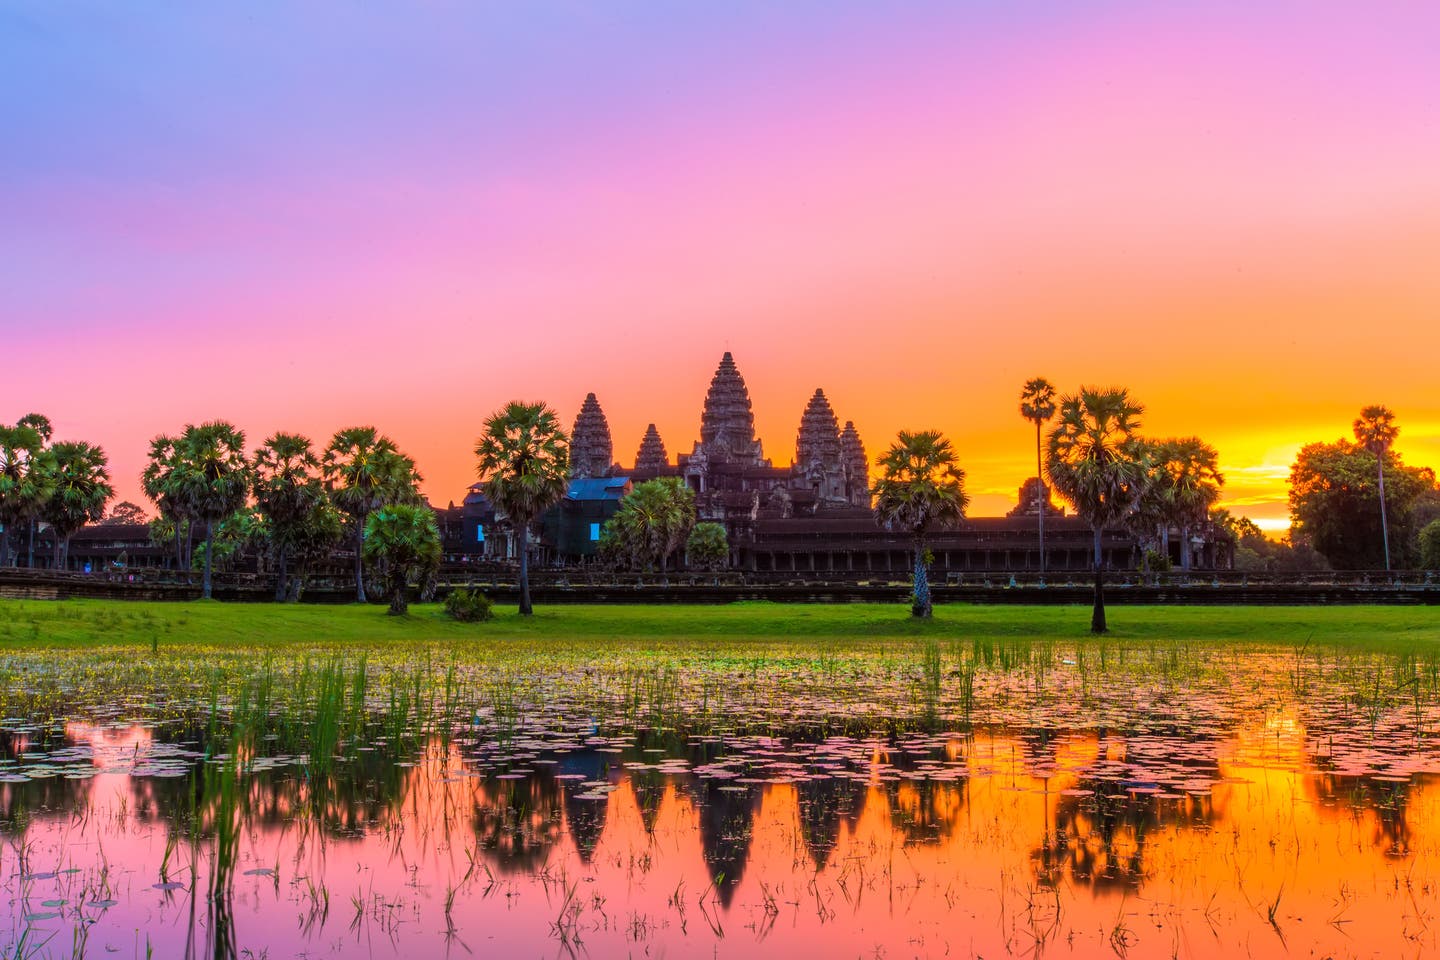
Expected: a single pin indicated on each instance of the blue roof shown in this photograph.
(597, 488)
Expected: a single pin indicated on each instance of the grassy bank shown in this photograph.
(104, 624)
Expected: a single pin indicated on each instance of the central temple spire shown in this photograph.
(727, 424)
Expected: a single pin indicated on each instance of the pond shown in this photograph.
(1082, 801)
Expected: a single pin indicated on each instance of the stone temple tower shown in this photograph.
(818, 460)
(727, 424)
(855, 467)
(591, 451)
(651, 457)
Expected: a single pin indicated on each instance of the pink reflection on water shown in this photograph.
(1017, 845)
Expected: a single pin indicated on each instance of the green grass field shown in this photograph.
(102, 624)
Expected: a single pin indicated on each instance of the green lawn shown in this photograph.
(102, 624)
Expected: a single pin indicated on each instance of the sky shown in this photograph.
(307, 216)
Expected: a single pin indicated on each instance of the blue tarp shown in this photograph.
(597, 488)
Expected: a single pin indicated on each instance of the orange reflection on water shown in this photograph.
(1093, 844)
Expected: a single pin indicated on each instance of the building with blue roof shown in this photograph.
(572, 527)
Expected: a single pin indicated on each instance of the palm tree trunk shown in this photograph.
(398, 604)
(66, 554)
(1185, 560)
(5, 545)
(209, 539)
(1097, 616)
(920, 605)
(1040, 498)
(525, 609)
(30, 548)
(280, 581)
(359, 561)
(55, 550)
(1384, 525)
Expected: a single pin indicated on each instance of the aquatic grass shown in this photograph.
(928, 686)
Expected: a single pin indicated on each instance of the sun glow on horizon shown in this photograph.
(214, 216)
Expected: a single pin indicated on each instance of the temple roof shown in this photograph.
(727, 424)
(856, 465)
(591, 450)
(651, 455)
(818, 442)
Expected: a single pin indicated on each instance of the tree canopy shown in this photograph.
(81, 491)
(210, 479)
(1335, 503)
(921, 486)
(404, 541)
(27, 475)
(1098, 462)
(707, 547)
(652, 523)
(126, 512)
(1037, 404)
(523, 460)
(287, 489)
(362, 471)
(1430, 546)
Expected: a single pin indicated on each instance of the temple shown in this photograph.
(810, 517)
(735, 484)
(810, 520)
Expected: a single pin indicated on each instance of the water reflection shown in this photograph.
(857, 843)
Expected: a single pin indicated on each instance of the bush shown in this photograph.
(468, 605)
(707, 548)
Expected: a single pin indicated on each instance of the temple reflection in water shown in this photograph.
(951, 825)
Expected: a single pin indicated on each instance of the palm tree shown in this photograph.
(312, 542)
(42, 426)
(158, 481)
(1095, 463)
(1375, 430)
(1037, 404)
(404, 539)
(653, 522)
(27, 478)
(920, 487)
(1149, 520)
(524, 462)
(286, 484)
(364, 471)
(1194, 487)
(82, 489)
(211, 480)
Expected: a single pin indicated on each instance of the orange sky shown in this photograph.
(1232, 211)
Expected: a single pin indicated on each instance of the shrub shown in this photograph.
(468, 605)
(707, 548)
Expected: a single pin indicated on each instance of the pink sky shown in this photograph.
(306, 220)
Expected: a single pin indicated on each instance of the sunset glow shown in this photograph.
(307, 218)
